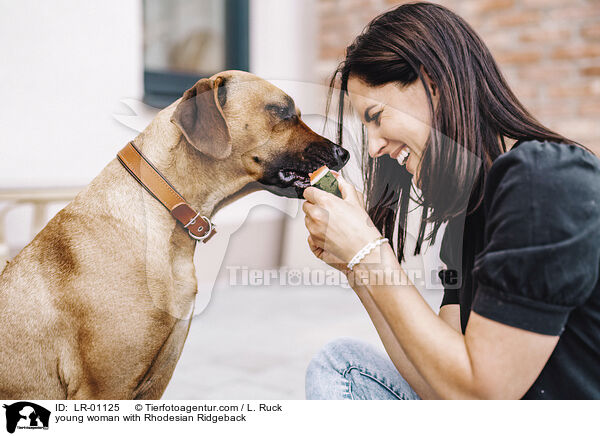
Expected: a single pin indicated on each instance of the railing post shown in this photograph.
(39, 198)
(39, 215)
(4, 254)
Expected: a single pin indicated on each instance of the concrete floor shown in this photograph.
(255, 342)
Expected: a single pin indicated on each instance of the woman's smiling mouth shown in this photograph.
(396, 153)
(401, 154)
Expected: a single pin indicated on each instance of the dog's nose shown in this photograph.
(341, 155)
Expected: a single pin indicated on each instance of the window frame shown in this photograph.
(161, 88)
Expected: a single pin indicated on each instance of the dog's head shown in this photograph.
(248, 121)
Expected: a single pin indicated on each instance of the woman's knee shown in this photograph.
(350, 369)
(324, 374)
(336, 354)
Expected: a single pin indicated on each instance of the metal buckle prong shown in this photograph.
(192, 221)
(206, 235)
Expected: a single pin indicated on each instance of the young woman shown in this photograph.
(520, 317)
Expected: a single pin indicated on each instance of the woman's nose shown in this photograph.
(376, 143)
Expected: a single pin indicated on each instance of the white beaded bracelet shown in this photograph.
(364, 251)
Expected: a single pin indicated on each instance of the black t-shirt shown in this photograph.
(531, 259)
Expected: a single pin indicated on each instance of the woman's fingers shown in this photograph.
(317, 251)
(310, 209)
(316, 213)
(315, 195)
(320, 197)
(347, 189)
(314, 227)
(311, 243)
(326, 257)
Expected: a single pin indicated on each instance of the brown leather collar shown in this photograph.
(199, 227)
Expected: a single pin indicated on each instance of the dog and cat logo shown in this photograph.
(26, 415)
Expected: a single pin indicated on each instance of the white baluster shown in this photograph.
(4, 253)
(39, 217)
(39, 199)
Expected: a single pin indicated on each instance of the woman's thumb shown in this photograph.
(346, 188)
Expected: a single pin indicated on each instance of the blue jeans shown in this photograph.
(347, 369)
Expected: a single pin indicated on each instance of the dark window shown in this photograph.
(186, 40)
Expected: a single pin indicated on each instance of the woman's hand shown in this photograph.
(327, 257)
(338, 228)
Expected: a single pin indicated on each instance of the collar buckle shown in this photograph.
(206, 234)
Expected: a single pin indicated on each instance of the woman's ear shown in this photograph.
(433, 88)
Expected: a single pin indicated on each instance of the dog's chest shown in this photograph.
(161, 366)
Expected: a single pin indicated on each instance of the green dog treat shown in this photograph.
(325, 180)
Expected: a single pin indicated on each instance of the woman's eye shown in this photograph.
(376, 117)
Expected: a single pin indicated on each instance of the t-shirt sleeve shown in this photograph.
(541, 256)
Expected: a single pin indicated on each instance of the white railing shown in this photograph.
(40, 199)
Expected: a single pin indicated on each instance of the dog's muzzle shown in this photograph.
(289, 176)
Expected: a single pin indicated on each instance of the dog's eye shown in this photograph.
(281, 112)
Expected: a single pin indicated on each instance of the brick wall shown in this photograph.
(548, 50)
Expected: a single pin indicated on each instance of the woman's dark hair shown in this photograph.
(476, 110)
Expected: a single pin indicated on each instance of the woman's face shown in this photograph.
(397, 118)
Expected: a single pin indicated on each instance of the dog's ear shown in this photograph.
(199, 116)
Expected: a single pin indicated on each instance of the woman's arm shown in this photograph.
(394, 349)
(491, 360)
(449, 313)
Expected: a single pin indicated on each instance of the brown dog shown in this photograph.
(99, 304)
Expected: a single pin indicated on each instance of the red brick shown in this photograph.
(526, 92)
(491, 6)
(576, 51)
(573, 13)
(579, 128)
(591, 31)
(551, 111)
(591, 108)
(333, 22)
(498, 41)
(573, 90)
(517, 57)
(510, 74)
(331, 52)
(545, 35)
(545, 73)
(516, 18)
(541, 4)
(591, 71)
